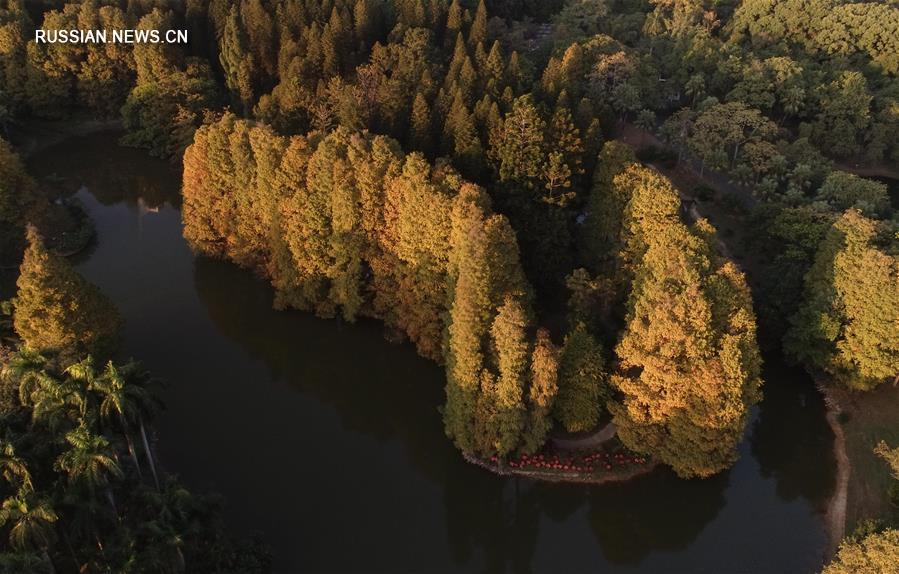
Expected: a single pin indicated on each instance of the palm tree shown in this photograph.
(13, 468)
(114, 402)
(51, 400)
(695, 87)
(124, 398)
(171, 523)
(646, 121)
(25, 369)
(32, 519)
(90, 461)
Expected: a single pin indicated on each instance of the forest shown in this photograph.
(590, 213)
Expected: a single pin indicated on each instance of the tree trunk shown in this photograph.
(111, 499)
(182, 564)
(65, 538)
(131, 449)
(49, 561)
(143, 434)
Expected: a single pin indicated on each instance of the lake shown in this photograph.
(327, 439)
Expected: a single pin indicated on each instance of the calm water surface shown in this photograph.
(327, 440)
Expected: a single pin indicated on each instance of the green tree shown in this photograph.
(845, 114)
(605, 204)
(31, 520)
(14, 469)
(720, 132)
(842, 190)
(163, 115)
(89, 460)
(420, 137)
(890, 456)
(518, 149)
(583, 390)
(237, 62)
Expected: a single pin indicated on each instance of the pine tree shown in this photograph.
(420, 137)
(542, 394)
(18, 201)
(464, 143)
(237, 62)
(453, 22)
(477, 34)
(495, 69)
(583, 391)
(605, 206)
(567, 140)
(260, 34)
(518, 150)
(511, 352)
(58, 310)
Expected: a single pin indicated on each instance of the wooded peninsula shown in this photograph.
(601, 218)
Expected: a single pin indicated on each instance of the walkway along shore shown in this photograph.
(836, 506)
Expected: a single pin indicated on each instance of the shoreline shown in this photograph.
(835, 516)
(35, 135)
(564, 477)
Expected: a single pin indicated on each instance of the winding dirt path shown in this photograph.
(590, 441)
(836, 506)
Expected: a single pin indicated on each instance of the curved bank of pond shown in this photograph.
(327, 439)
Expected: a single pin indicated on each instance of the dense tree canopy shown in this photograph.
(443, 166)
(18, 200)
(77, 490)
(347, 223)
(689, 367)
(877, 553)
(846, 325)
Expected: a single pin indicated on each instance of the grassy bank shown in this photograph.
(867, 419)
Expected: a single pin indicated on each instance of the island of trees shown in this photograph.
(458, 170)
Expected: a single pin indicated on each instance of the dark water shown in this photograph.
(327, 439)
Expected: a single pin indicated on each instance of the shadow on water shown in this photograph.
(328, 439)
(791, 438)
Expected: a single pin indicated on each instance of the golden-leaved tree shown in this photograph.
(688, 363)
(848, 325)
(346, 223)
(876, 553)
(18, 200)
(58, 310)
